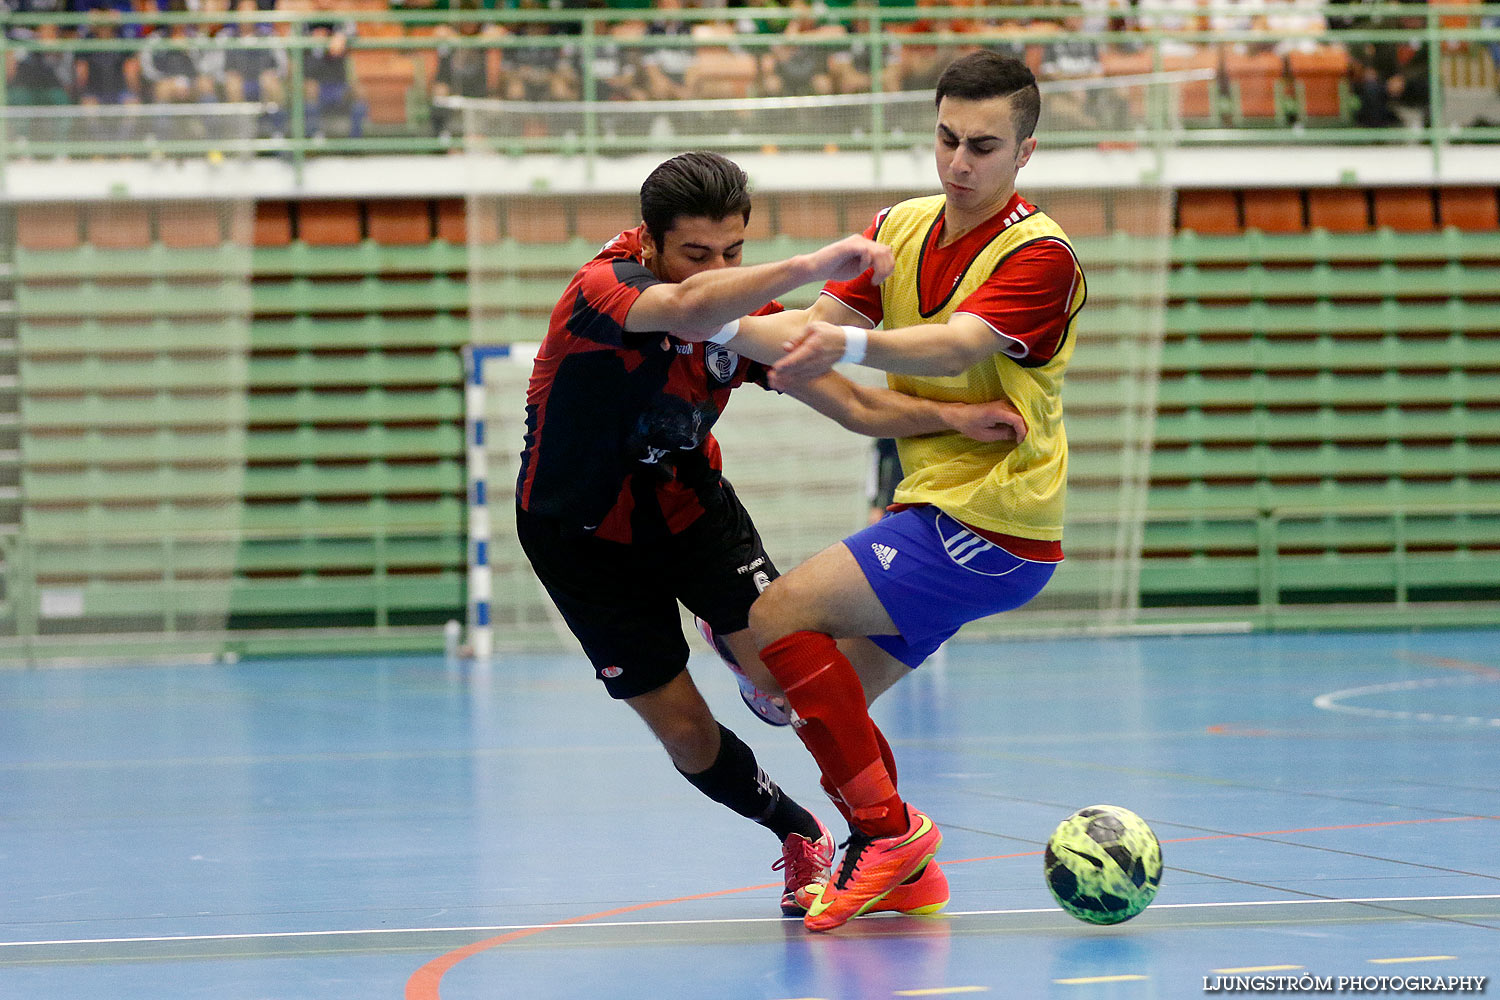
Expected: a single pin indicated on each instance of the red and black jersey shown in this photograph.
(618, 423)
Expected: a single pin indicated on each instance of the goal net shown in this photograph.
(803, 478)
(124, 409)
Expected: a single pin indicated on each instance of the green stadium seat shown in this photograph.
(304, 333)
(374, 404)
(370, 368)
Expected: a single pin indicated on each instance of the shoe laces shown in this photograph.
(804, 860)
(854, 849)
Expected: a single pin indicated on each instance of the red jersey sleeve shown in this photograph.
(604, 292)
(1027, 300)
(859, 294)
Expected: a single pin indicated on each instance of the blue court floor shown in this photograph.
(348, 829)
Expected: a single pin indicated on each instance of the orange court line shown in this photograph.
(424, 983)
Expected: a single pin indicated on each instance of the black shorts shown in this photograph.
(621, 600)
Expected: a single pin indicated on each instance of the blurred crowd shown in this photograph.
(1300, 75)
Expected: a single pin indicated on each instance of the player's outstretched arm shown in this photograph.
(931, 349)
(698, 308)
(886, 413)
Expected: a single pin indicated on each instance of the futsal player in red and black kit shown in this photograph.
(621, 504)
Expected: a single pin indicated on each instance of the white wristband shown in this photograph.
(726, 333)
(856, 339)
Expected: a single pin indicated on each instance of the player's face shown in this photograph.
(978, 156)
(696, 243)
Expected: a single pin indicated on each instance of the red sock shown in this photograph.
(821, 685)
(832, 791)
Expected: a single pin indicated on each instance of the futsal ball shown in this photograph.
(1103, 864)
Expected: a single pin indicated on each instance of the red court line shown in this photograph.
(424, 983)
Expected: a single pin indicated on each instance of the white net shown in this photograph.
(129, 333)
(803, 478)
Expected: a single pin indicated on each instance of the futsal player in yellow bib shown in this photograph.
(980, 306)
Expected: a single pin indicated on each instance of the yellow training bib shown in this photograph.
(1002, 487)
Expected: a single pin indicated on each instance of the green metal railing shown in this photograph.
(1441, 33)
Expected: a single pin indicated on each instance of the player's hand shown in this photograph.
(809, 354)
(995, 420)
(850, 257)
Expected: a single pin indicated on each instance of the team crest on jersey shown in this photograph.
(721, 362)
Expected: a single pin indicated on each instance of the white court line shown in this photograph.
(1332, 701)
(585, 924)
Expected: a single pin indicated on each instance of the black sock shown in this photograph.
(734, 779)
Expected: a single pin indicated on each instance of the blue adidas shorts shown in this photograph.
(933, 575)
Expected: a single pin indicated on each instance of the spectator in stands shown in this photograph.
(254, 74)
(327, 88)
(107, 77)
(43, 78)
(666, 67)
(23, 31)
(462, 71)
(850, 65)
(720, 71)
(918, 62)
(619, 70)
(1390, 77)
(1078, 59)
(177, 68)
(1302, 21)
(801, 70)
(1170, 17)
(541, 72)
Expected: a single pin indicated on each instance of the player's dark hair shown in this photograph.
(693, 185)
(982, 75)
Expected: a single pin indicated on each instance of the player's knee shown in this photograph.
(776, 612)
(692, 742)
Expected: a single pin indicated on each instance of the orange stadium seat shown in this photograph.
(47, 227)
(399, 222)
(118, 226)
(1406, 210)
(273, 224)
(1317, 78)
(536, 220)
(329, 223)
(1338, 210)
(184, 226)
(1254, 86)
(1212, 213)
(1274, 210)
(860, 209)
(452, 220)
(717, 73)
(384, 77)
(607, 216)
(1469, 209)
(485, 221)
(1082, 214)
(807, 215)
(1142, 214)
(1197, 99)
(1117, 63)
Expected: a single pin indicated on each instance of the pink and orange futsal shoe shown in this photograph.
(767, 707)
(870, 869)
(921, 895)
(805, 864)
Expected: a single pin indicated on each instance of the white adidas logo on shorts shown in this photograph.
(884, 553)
